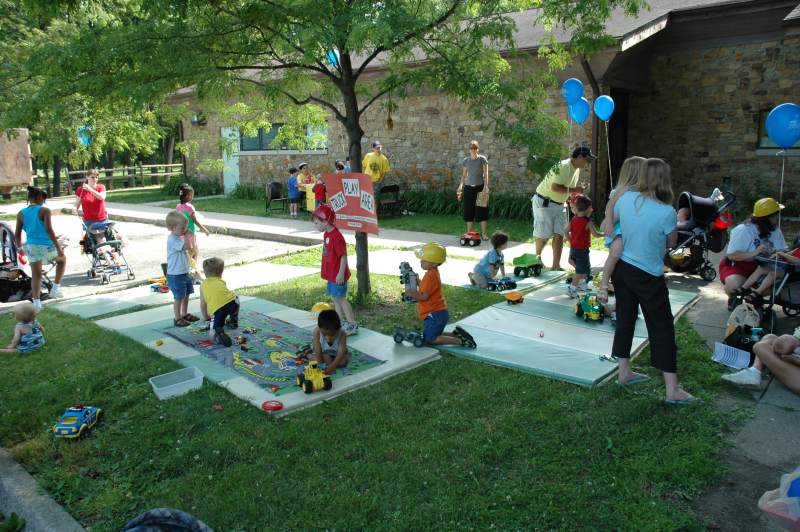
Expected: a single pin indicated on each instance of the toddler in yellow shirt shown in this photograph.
(217, 302)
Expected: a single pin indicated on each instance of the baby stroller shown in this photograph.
(705, 230)
(101, 243)
(785, 293)
(15, 272)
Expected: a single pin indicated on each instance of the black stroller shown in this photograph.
(15, 274)
(103, 246)
(705, 230)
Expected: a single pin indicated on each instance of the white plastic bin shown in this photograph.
(176, 382)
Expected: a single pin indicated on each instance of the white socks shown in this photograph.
(56, 286)
(37, 304)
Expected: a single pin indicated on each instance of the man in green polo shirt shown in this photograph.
(549, 209)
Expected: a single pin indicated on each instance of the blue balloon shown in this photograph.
(783, 125)
(333, 58)
(83, 135)
(572, 90)
(579, 111)
(604, 107)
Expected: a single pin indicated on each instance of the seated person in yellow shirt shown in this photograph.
(217, 302)
(375, 163)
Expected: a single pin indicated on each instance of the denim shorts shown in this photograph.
(337, 290)
(434, 325)
(40, 253)
(581, 257)
(180, 285)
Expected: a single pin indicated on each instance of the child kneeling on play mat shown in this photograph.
(431, 305)
(491, 263)
(217, 302)
(330, 341)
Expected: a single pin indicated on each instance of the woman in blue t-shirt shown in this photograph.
(647, 223)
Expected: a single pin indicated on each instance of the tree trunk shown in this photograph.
(169, 146)
(354, 136)
(46, 172)
(56, 176)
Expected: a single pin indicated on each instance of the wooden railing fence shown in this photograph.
(131, 176)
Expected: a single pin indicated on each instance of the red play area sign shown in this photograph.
(352, 198)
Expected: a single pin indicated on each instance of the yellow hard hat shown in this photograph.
(432, 252)
(766, 207)
(319, 307)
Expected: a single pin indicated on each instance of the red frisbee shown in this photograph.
(271, 406)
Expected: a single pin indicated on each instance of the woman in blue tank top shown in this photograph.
(41, 244)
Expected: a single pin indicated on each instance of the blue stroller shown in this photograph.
(102, 245)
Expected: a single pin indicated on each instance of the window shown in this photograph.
(316, 139)
(764, 142)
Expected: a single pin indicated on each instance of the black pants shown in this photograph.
(634, 288)
(471, 211)
(229, 309)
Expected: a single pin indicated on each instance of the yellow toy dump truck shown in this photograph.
(313, 379)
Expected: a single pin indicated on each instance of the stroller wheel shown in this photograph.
(708, 273)
(106, 279)
(131, 275)
(790, 311)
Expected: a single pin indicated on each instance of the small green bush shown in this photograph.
(202, 187)
(249, 191)
(500, 205)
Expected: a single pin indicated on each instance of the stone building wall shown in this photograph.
(429, 137)
(702, 116)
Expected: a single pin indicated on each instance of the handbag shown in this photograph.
(482, 200)
(744, 314)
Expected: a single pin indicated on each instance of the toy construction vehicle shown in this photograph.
(514, 298)
(410, 279)
(409, 335)
(313, 379)
(528, 265)
(590, 308)
(471, 239)
(498, 285)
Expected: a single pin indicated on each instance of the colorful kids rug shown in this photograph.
(148, 326)
(268, 352)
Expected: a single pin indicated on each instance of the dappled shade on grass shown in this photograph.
(451, 444)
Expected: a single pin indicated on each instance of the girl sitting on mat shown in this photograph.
(330, 341)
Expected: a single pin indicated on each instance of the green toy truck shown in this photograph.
(528, 265)
(590, 308)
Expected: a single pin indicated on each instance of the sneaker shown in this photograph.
(572, 291)
(466, 338)
(745, 377)
(56, 293)
(221, 338)
(350, 328)
(471, 279)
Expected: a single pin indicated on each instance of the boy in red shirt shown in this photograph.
(581, 230)
(319, 192)
(334, 266)
(432, 308)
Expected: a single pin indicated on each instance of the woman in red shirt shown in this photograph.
(91, 200)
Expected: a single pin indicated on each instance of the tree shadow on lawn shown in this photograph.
(451, 444)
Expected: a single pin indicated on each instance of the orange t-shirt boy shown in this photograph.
(432, 307)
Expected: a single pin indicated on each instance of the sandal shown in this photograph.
(180, 323)
(484, 237)
(191, 317)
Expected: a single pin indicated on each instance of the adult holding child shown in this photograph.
(549, 208)
(647, 225)
(758, 235)
(473, 189)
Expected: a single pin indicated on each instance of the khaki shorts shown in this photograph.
(548, 221)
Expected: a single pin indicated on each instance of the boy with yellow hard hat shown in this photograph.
(432, 307)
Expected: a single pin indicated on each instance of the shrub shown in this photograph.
(508, 206)
(249, 191)
(202, 187)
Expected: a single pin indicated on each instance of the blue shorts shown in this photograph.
(180, 285)
(581, 257)
(337, 290)
(434, 325)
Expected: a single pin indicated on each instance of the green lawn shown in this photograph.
(452, 444)
(138, 195)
